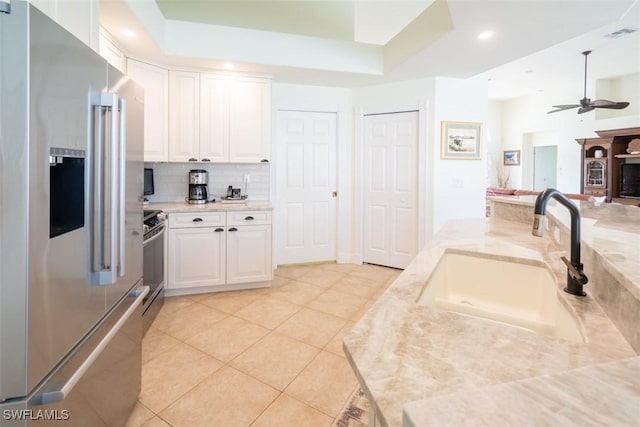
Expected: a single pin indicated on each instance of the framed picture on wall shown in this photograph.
(460, 140)
(511, 158)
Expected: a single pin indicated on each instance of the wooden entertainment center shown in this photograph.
(601, 160)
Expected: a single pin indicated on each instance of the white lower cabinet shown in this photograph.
(196, 257)
(221, 251)
(249, 253)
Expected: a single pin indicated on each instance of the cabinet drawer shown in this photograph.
(201, 219)
(249, 218)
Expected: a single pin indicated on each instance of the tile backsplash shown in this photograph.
(171, 180)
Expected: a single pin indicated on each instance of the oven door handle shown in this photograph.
(160, 233)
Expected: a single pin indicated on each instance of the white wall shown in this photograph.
(524, 123)
(459, 186)
(323, 99)
(496, 172)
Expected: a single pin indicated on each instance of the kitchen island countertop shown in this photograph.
(418, 364)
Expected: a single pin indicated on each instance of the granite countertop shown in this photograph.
(407, 355)
(183, 207)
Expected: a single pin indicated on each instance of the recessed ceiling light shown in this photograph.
(229, 66)
(485, 35)
(128, 33)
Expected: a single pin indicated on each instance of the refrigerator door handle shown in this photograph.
(97, 180)
(59, 395)
(106, 189)
(122, 107)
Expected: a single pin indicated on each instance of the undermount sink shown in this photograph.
(518, 293)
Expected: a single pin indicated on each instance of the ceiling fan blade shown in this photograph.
(586, 104)
(562, 108)
(586, 109)
(603, 103)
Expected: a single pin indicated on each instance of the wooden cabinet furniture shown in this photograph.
(212, 251)
(155, 81)
(601, 161)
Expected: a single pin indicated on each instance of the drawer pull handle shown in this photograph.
(206, 160)
(192, 159)
(219, 230)
(197, 219)
(249, 218)
(233, 229)
(264, 161)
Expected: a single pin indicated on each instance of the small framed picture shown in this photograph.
(511, 158)
(460, 140)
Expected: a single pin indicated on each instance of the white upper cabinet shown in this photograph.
(249, 120)
(111, 52)
(80, 18)
(184, 116)
(215, 118)
(155, 81)
(214, 123)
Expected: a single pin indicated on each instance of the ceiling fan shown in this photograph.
(587, 104)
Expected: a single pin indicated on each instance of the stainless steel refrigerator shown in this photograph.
(71, 184)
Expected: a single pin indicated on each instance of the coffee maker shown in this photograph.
(197, 186)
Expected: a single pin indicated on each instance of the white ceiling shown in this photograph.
(357, 43)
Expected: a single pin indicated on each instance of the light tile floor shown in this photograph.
(261, 357)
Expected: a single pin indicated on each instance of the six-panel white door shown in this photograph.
(391, 189)
(306, 180)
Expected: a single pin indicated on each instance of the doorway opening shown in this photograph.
(545, 167)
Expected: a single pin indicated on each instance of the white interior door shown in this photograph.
(306, 175)
(391, 188)
(545, 167)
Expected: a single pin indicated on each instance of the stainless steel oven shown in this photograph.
(153, 265)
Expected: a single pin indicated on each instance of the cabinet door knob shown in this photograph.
(197, 219)
(219, 230)
(192, 159)
(206, 160)
(233, 229)
(249, 218)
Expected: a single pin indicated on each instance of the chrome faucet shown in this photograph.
(575, 276)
